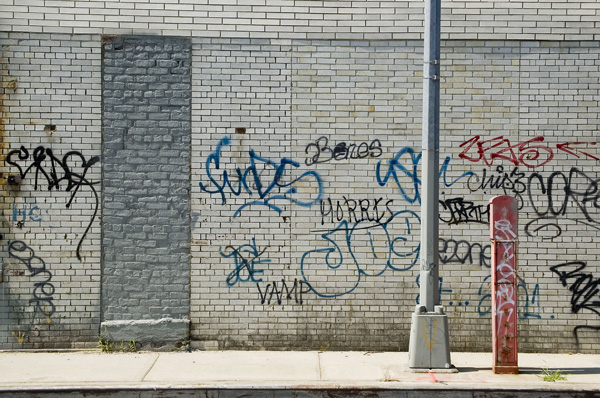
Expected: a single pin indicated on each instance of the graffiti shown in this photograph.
(402, 169)
(444, 174)
(19, 336)
(357, 209)
(462, 252)
(462, 211)
(484, 307)
(567, 147)
(51, 171)
(246, 258)
(485, 297)
(531, 153)
(528, 153)
(503, 222)
(282, 292)
(27, 213)
(381, 246)
(505, 308)
(551, 197)
(509, 183)
(264, 179)
(584, 288)
(530, 304)
(405, 177)
(44, 289)
(441, 290)
(320, 151)
(534, 302)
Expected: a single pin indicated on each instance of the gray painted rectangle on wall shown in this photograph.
(146, 99)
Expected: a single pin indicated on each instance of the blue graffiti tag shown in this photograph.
(379, 249)
(524, 313)
(440, 290)
(484, 297)
(386, 252)
(400, 173)
(246, 257)
(253, 181)
(444, 173)
(406, 177)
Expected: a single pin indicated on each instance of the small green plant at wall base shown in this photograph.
(132, 346)
(104, 344)
(550, 376)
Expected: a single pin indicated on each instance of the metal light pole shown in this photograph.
(429, 341)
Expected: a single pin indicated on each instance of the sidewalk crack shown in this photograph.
(151, 367)
(319, 363)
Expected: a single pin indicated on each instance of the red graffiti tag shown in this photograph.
(528, 153)
(531, 153)
(566, 147)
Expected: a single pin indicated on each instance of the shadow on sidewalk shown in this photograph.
(465, 369)
(565, 371)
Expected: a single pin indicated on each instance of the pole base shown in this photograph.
(505, 370)
(429, 346)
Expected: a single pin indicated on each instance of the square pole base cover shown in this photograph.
(429, 342)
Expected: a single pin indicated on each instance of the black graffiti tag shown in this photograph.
(462, 252)
(53, 172)
(552, 197)
(584, 289)
(560, 192)
(43, 290)
(463, 211)
(246, 258)
(355, 210)
(512, 183)
(321, 152)
(583, 286)
(283, 291)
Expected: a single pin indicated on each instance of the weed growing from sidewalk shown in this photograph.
(550, 376)
(387, 377)
(132, 347)
(106, 345)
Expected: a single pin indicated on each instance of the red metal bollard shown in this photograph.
(503, 231)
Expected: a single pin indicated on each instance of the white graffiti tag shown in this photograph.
(506, 301)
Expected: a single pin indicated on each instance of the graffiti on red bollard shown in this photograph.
(503, 231)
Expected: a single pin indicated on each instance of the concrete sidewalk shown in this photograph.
(276, 370)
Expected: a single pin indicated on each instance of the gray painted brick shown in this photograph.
(146, 156)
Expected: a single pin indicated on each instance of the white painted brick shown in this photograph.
(405, 16)
(255, 68)
(55, 223)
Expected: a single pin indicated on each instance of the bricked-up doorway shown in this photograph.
(146, 105)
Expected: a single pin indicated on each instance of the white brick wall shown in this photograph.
(51, 100)
(311, 19)
(362, 274)
(290, 73)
